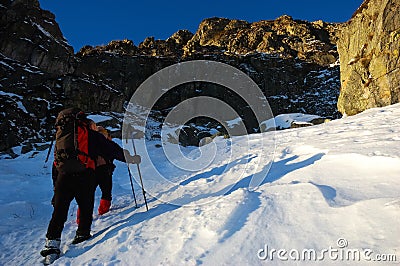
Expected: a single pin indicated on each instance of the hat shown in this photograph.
(103, 131)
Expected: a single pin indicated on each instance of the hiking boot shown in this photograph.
(80, 238)
(52, 246)
(49, 259)
(104, 206)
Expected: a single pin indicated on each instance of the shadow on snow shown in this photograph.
(237, 218)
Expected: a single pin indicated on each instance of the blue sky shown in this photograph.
(101, 21)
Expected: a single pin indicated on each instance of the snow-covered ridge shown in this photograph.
(332, 186)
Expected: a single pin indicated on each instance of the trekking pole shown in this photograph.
(133, 191)
(140, 175)
(48, 153)
(130, 178)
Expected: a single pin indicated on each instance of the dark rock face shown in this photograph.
(369, 51)
(295, 64)
(33, 54)
(37, 78)
(31, 35)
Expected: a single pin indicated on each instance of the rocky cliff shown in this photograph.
(294, 62)
(37, 77)
(369, 45)
(33, 55)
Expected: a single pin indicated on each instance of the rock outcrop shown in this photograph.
(284, 37)
(369, 46)
(294, 62)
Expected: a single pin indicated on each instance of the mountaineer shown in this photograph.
(76, 149)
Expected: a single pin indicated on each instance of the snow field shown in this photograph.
(331, 186)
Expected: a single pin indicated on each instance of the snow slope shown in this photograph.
(332, 189)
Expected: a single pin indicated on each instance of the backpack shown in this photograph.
(71, 152)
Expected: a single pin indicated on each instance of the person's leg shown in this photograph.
(54, 174)
(63, 195)
(84, 195)
(104, 177)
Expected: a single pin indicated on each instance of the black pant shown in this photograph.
(54, 174)
(104, 180)
(80, 186)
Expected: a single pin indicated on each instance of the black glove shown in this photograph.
(136, 159)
